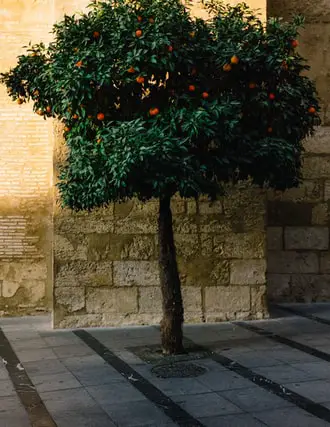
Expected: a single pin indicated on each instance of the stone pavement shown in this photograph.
(251, 374)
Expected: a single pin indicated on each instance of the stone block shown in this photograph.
(308, 238)
(136, 225)
(325, 262)
(98, 221)
(82, 273)
(106, 246)
(112, 300)
(203, 271)
(150, 299)
(274, 238)
(187, 245)
(248, 272)
(320, 214)
(288, 262)
(320, 142)
(185, 224)
(314, 12)
(135, 273)
(280, 213)
(78, 321)
(210, 208)
(228, 300)
(138, 248)
(70, 247)
(308, 191)
(310, 287)
(279, 287)
(326, 191)
(241, 245)
(192, 299)
(73, 299)
(9, 288)
(316, 167)
(259, 301)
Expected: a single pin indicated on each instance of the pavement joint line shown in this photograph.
(279, 390)
(26, 391)
(286, 341)
(302, 314)
(152, 393)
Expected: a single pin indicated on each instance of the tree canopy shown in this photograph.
(155, 102)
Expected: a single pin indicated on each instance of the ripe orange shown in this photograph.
(40, 112)
(139, 18)
(140, 80)
(294, 43)
(75, 117)
(48, 109)
(100, 117)
(170, 48)
(153, 111)
(284, 65)
(67, 129)
(227, 67)
(192, 34)
(270, 129)
(252, 85)
(20, 101)
(138, 33)
(312, 110)
(99, 140)
(79, 64)
(234, 60)
(205, 95)
(36, 93)
(151, 20)
(272, 96)
(76, 49)
(96, 34)
(131, 70)
(192, 88)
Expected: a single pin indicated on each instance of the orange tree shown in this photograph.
(156, 103)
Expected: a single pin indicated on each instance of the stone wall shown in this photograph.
(106, 270)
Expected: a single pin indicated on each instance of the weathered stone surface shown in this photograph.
(289, 213)
(313, 11)
(275, 238)
(185, 225)
(135, 273)
(112, 300)
(241, 245)
(227, 300)
(192, 299)
(150, 300)
(310, 238)
(79, 321)
(320, 214)
(292, 262)
(320, 142)
(203, 272)
(327, 190)
(259, 301)
(136, 225)
(70, 248)
(100, 221)
(310, 288)
(187, 245)
(316, 167)
(72, 299)
(139, 248)
(279, 287)
(325, 262)
(308, 191)
(81, 273)
(248, 272)
(9, 288)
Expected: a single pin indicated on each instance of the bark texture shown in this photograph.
(171, 324)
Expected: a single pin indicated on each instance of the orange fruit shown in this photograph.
(170, 48)
(131, 70)
(96, 34)
(193, 72)
(294, 43)
(36, 93)
(153, 111)
(40, 112)
(79, 64)
(227, 67)
(138, 33)
(234, 60)
(192, 34)
(48, 109)
(67, 129)
(312, 110)
(20, 101)
(139, 18)
(76, 49)
(205, 95)
(192, 88)
(151, 20)
(252, 85)
(272, 96)
(100, 116)
(99, 140)
(140, 79)
(75, 117)
(270, 129)
(89, 117)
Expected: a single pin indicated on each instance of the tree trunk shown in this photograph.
(171, 324)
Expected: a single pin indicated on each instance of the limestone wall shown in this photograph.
(106, 269)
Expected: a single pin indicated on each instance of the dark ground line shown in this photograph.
(286, 341)
(302, 314)
(28, 395)
(152, 393)
(302, 402)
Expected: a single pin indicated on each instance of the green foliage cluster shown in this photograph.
(156, 102)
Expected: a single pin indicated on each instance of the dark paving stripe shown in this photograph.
(286, 341)
(302, 314)
(35, 408)
(163, 402)
(302, 402)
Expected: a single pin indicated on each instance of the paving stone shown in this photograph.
(82, 419)
(13, 419)
(177, 386)
(253, 359)
(76, 363)
(319, 370)
(74, 350)
(118, 392)
(6, 388)
(318, 391)
(289, 417)
(136, 414)
(61, 338)
(29, 344)
(44, 367)
(284, 374)
(238, 420)
(93, 376)
(57, 381)
(224, 380)
(208, 404)
(254, 399)
(36, 355)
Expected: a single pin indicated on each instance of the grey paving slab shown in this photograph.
(93, 376)
(136, 414)
(12, 413)
(253, 359)
(254, 399)
(82, 418)
(61, 338)
(19, 335)
(318, 391)
(318, 369)
(36, 355)
(224, 380)
(289, 417)
(206, 405)
(6, 388)
(59, 381)
(74, 350)
(32, 344)
(76, 363)
(45, 367)
(237, 420)
(115, 393)
(291, 355)
(285, 374)
(180, 386)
